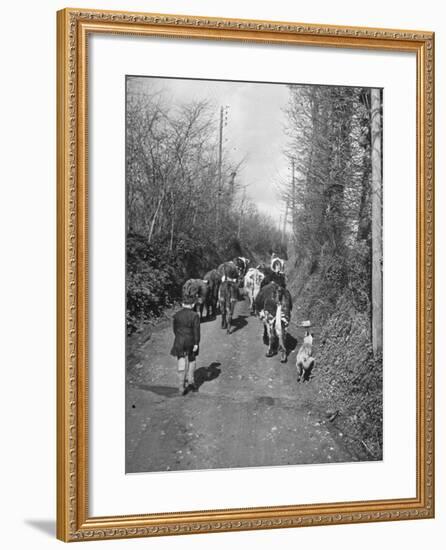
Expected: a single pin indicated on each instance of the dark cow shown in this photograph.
(241, 264)
(227, 297)
(213, 279)
(197, 289)
(271, 276)
(274, 305)
(228, 271)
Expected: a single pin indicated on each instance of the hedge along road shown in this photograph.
(249, 409)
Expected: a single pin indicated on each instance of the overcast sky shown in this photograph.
(255, 129)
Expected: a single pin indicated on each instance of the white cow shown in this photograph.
(252, 281)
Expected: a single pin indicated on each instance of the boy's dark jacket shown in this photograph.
(186, 326)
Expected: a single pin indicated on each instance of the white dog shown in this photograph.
(304, 359)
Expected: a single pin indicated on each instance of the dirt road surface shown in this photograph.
(249, 409)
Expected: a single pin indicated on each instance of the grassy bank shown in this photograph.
(334, 295)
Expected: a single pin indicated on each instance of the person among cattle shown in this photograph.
(241, 264)
(227, 296)
(213, 279)
(186, 327)
(277, 264)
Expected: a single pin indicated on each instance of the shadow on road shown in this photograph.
(239, 323)
(202, 375)
(206, 374)
(208, 319)
(290, 343)
(165, 391)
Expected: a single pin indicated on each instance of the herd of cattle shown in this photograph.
(265, 288)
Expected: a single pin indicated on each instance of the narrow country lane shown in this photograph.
(249, 410)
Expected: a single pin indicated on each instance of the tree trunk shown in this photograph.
(377, 248)
(152, 225)
(285, 221)
(172, 226)
(364, 224)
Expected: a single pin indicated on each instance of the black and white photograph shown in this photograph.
(254, 274)
(223, 227)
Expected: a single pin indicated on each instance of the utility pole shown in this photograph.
(232, 182)
(223, 112)
(285, 219)
(377, 244)
(242, 211)
(293, 199)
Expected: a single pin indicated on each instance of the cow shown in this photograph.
(241, 264)
(228, 271)
(227, 297)
(277, 264)
(198, 289)
(214, 280)
(274, 305)
(271, 276)
(252, 283)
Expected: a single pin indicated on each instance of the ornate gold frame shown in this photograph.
(73, 520)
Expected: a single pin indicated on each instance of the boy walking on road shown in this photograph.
(186, 327)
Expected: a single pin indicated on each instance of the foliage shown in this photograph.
(329, 202)
(151, 281)
(349, 376)
(183, 218)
